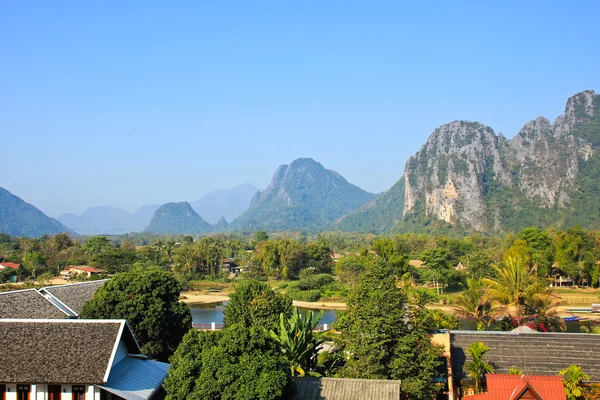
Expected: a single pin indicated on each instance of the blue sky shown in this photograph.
(142, 102)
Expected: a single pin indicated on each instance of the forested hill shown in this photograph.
(18, 218)
(176, 218)
(302, 195)
(467, 178)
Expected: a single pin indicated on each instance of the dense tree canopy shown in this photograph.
(255, 303)
(385, 337)
(241, 363)
(149, 301)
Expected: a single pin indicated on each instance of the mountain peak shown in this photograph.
(302, 195)
(177, 218)
(19, 218)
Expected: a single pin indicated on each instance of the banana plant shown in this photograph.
(298, 341)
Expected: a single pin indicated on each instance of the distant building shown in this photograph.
(416, 263)
(5, 265)
(73, 270)
(335, 257)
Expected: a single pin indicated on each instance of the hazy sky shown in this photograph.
(130, 103)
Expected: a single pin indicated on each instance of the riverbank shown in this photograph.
(194, 298)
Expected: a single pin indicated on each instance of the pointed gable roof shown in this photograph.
(515, 387)
(74, 295)
(61, 351)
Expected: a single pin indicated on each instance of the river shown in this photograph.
(208, 313)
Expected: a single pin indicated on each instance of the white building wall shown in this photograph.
(38, 392)
(12, 394)
(67, 392)
(89, 393)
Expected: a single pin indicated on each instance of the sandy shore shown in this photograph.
(196, 298)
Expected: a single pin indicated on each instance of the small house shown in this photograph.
(72, 359)
(11, 265)
(73, 270)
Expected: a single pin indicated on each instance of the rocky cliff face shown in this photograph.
(466, 175)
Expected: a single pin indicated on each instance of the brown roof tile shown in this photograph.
(56, 351)
(76, 294)
(28, 303)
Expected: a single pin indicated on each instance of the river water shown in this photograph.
(208, 313)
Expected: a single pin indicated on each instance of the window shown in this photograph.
(54, 392)
(23, 392)
(79, 392)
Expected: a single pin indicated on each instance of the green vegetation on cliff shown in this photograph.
(18, 218)
(302, 195)
(175, 218)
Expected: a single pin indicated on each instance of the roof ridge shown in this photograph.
(66, 320)
(18, 290)
(75, 283)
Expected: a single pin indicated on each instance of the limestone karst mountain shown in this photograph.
(302, 195)
(175, 218)
(466, 177)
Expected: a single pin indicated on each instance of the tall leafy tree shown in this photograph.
(385, 337)
(256, 303)
(473, 303)
(149, 301)
(239, 362)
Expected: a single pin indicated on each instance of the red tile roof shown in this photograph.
(512, 387)
(85, 268)
(10, 265)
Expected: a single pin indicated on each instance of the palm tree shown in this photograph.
(515, 286)
(297, 340)
(478, 367)
(573, 377)
(473, 303)
(542, 308)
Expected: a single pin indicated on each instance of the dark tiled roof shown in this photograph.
(56, 351)
(532, 353)
(76, 294)
(28, 303)
(347, 389)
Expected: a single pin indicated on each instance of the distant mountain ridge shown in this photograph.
(226, 203)
(302, 195)
(177, 218)
(467, 178)
(102, 220)
(19, 218)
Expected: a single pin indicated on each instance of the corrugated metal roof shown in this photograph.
(532, 353)
(347, 389)
(135, 378)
